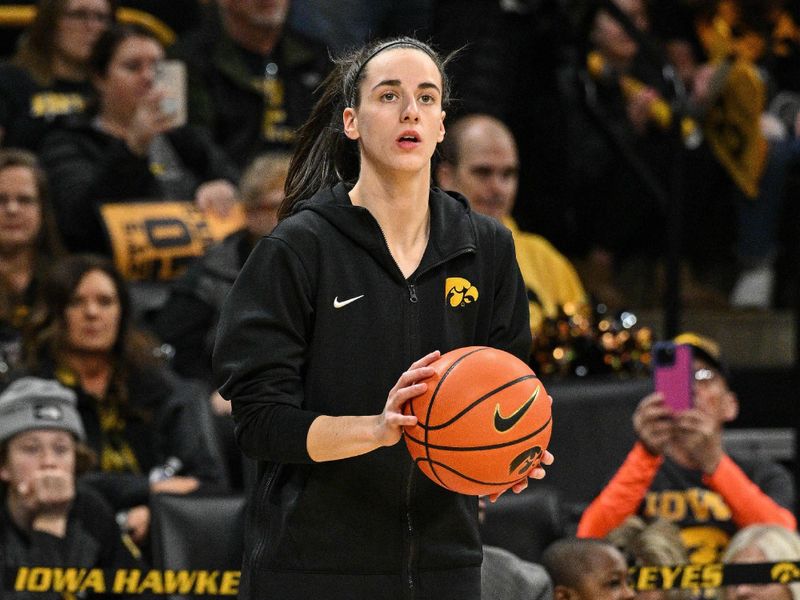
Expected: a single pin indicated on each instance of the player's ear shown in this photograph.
(350, 123)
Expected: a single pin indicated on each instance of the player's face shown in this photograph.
(773, 591)
(399, 119)
(607, 577)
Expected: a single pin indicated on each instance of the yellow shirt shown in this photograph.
(550, 278)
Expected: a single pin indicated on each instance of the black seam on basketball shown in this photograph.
(508, 384)
(431, 464)
(433, 470)
(491, 447)
(433, 399)
(414, 439)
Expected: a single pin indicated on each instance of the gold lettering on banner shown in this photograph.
(126, 581)
(64, 580)
(693, 577)
(155, 241)
(76, 580)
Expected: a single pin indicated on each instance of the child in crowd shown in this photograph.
(587, 569)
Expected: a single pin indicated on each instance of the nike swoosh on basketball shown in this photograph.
(503, 424)
(340, 303)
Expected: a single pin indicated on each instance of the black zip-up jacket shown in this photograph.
(322, 321)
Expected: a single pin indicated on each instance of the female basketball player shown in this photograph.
(317, 335)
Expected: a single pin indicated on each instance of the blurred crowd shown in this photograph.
(144, 148)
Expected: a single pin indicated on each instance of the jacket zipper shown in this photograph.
(413, 343)
(412, 549)
(413, 299)
(412, 546)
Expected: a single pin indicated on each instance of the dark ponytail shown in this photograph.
(323, 155)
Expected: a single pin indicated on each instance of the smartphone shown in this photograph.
(672, 374)
(171, 80)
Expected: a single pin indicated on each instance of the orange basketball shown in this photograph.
(483, 423)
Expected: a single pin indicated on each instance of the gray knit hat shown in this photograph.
(35, 403)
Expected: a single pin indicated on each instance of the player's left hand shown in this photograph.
(536, 472)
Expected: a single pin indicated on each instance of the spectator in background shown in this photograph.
(346, 24)
(130, 149)
(251, 78)
(757, 544)
(48, 76)
(678, 469)
(479, 160)
(139, 417)
(28, 244)
(657, 543)
(619, 154)
(587, 569)
(188, 320)
(46, 518)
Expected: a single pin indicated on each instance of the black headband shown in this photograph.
(404, 42)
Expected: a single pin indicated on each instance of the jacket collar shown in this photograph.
(452, 229)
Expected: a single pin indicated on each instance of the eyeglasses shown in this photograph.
(705, 375)
(86, 16)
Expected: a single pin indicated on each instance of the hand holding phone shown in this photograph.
(672, 374)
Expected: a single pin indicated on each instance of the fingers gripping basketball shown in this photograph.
(483, 423)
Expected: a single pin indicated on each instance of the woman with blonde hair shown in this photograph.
(656, 543)
(762, 543)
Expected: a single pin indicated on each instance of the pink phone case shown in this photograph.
(673, 378)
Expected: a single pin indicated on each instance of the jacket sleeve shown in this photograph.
(511, 318)
(260, 350)
(750, 504)
(622, 496)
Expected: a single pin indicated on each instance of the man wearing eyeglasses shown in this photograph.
(678, 469)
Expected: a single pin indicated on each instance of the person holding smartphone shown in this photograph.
(679, 470)
(128, 147)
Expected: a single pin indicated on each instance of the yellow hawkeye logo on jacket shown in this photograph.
(459, 292)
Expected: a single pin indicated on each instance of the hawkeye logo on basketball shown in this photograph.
(525, 461)
(459, 292)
